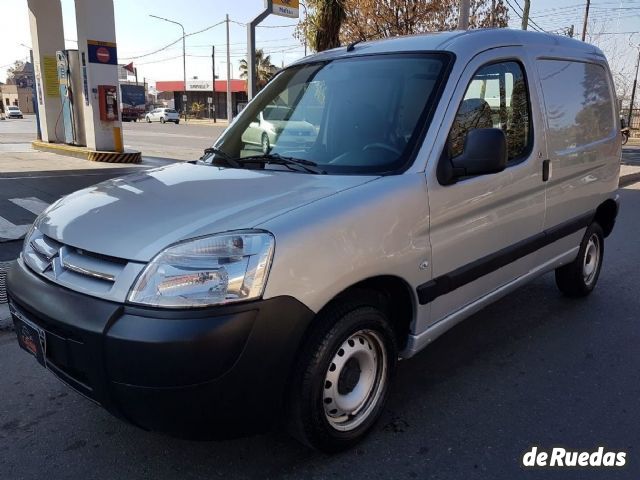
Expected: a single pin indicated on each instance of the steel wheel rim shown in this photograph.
(265, 144)
(591, 259)
(355, 380)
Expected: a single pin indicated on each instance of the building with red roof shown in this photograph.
(200, 91)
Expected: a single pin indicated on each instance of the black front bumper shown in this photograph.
(204, 373)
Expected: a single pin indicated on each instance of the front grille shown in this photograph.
(78, 269)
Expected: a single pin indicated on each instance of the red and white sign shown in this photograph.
(103, 54)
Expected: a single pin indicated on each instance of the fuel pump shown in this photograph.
(70, 80)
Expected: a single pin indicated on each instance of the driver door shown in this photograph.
(479, 224)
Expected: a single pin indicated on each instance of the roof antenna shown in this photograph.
(352, 45)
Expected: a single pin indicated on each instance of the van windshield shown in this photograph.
(351, 115)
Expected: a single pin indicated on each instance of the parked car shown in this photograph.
(12, 111)
(281, 287)
(275, 125)
(163, 115)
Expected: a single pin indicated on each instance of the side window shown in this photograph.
(579, 103)
(497, 97)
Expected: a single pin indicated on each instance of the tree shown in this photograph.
(264, 68)
(359, 20)
(197, 108)
(21, 74)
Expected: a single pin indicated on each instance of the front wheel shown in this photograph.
(148, 119)
(579, 278)
(162, 120)
(625, 138)
(266, 145)
(177, 122)
(342, 376)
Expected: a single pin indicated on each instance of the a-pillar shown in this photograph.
(47, 37)
(95, 23)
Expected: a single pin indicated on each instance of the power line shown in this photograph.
(520, 15)
(174, 42)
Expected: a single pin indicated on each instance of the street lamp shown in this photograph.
(184, 59)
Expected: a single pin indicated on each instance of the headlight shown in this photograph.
(211, 270)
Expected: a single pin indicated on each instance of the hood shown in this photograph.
(136, 216)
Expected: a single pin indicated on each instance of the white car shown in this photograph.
(13, 112)
(163, 115)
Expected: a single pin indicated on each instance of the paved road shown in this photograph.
(158, 143)
(533, 369)
(181, 142)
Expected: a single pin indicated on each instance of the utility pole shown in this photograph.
(229, 103)
(213, 86)
(586, 18)
(633, 90)
(306, 18)
(463, 14)
(525, 14)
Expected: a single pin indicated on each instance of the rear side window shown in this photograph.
(578, 101)
(497, 97)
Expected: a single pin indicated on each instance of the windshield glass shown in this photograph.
(12, 108)
(352, 115)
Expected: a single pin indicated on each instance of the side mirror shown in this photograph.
(484, 152)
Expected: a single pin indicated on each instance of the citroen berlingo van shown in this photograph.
(409, 183)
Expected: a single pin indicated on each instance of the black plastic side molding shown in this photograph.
(429, 291)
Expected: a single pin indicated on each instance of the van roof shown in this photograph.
(467, 44)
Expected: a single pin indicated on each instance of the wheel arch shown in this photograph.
(395, 296)
(606, 214)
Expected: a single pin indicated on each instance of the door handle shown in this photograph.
(546, 170)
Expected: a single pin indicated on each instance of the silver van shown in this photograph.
(259, 286)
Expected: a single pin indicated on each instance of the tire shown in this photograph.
(625, 139)
(579, 278)
(177, 122)
(162, 120)
(148, 119)
(346, 364)
(266, 145)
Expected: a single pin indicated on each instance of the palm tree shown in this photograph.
(264, 68)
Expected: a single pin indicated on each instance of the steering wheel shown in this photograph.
(381, 146)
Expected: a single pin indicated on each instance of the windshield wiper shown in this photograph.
(277, 159)
(221, 153)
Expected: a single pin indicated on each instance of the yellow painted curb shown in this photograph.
(130, 156)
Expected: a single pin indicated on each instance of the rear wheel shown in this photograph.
(177, 122)
(162, 120)
(342, 376)
(579, 278)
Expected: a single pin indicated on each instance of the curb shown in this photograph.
(629, 179)
(130, 156)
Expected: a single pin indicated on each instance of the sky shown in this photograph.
(138, 34)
